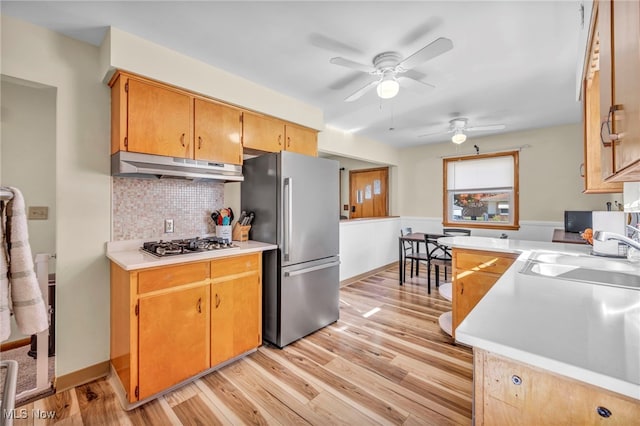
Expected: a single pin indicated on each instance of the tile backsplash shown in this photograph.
(140, 206)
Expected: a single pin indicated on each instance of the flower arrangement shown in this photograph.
(588, 235)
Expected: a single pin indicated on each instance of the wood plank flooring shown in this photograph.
(385, 362)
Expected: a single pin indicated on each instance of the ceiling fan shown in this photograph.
(458, 126)
(389, 67)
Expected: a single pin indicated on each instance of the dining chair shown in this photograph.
(437, 255)
(410, 253)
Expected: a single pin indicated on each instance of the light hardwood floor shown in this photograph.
(385, 361)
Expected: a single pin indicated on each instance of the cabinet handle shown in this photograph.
(603, 412)
(288, 141)
(279, 140)
(217, 300)
(582, 170)
(182, 140)
(461, 288)
(199, 142)
(610, 117)
(200, 305)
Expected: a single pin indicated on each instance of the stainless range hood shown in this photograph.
(133, 164)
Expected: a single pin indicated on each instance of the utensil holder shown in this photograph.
(223, 231)
(241, 233)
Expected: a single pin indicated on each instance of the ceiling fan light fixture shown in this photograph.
(458, 137)
(388, 87)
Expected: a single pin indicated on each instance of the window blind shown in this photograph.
(494, 172)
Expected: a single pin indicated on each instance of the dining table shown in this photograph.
(415, 238)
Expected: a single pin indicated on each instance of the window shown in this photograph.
(481, 191)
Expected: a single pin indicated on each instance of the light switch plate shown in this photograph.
(38, 213)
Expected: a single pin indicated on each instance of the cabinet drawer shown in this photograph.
(484, 261)
(171, 276)
(235, 265)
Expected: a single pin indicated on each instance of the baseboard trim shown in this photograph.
(366, 274)
(81, 377)
(15, 344)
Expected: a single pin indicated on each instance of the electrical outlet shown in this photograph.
(168, 226)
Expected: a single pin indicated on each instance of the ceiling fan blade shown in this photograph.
(488, 127)
(361, 91)
(430, 51)
(351, 64)
(413, 76)
(443, 132)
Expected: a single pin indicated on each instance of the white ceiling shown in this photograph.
(513, 62)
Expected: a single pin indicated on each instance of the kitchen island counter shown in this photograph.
(128, 256)
(584, 331)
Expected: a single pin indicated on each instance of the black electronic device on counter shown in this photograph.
(577, 221)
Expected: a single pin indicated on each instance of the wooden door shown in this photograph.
(217, 130)
(301, 140)
(262, 133)
(173, 338)
(368, 193)
(234, 317)
(158, 119)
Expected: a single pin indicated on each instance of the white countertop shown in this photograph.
(585, 331)
(128, 256)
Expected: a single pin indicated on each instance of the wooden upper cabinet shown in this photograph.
(217, 130)
(625, 30)
(594, 148)
(262, 133)
(158, 119)
(301, 140)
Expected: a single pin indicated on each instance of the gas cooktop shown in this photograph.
(185, 246)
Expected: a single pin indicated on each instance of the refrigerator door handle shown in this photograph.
(288, 209)
(311, 269)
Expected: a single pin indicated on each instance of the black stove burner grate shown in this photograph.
(185, 246)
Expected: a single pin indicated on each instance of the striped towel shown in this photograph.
(26, 298)
(5, 311)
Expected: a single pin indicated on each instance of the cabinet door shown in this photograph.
(217, 129)
(173, 338)
(262, 133)
(235, 318)
(606, 99)
(593, 146)
(626, 77)
(468, 288)
(159, 120)
(301, 140)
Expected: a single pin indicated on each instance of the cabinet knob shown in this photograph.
(603, 412)
(516, 380)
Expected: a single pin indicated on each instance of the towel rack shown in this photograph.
(5, 194)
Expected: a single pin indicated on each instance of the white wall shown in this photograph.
(82, 127)
(549, 173)
(27, 155)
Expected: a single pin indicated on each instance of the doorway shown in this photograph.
(368, 192)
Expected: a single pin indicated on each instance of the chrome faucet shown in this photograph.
(605, 236)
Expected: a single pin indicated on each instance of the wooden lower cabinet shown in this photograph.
(507, 392)
(474, 273)
(173, 341)
(236, 306)
(171, 323)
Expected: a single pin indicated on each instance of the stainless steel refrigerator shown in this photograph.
(295, 201)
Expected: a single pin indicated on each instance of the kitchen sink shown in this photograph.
(587, 269)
